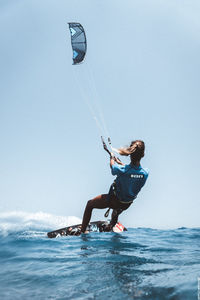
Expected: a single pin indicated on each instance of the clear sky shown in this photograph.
(143, 59)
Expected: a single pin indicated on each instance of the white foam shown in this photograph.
(15, 221)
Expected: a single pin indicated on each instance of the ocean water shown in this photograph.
(141, 263)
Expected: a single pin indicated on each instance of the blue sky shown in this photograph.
(143, 60)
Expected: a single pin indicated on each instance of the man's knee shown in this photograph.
(90, 204)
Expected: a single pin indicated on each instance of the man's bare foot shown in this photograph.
(85, 232)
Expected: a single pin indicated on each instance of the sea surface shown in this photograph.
(141, 263)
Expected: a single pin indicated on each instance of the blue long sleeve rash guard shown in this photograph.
(129, 181)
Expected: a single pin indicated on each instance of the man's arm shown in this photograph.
(113, 159)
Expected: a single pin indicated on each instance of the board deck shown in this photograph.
(98, 226)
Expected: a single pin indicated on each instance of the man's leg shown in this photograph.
(115, 215)
(100, 201)
(118, 208)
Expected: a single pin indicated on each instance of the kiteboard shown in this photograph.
(98, 226)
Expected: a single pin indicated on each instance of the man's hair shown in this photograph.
(135, 150)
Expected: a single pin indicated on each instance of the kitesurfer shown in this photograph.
(129, 181)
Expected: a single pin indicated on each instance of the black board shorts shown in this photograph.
(114, 202)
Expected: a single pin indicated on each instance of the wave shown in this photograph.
(18, 221)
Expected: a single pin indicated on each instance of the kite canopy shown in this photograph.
(78, 40)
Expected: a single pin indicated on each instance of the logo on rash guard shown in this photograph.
(137, 175)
